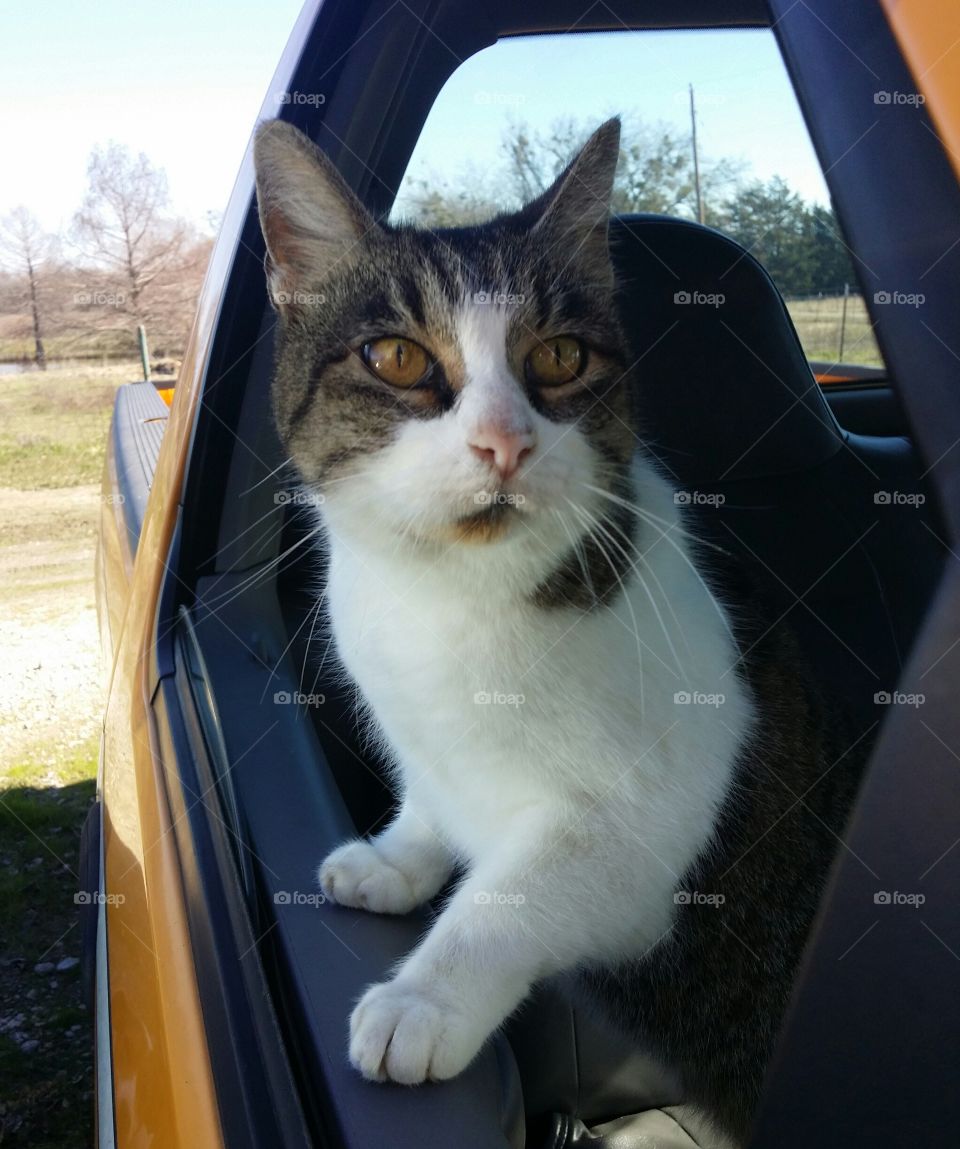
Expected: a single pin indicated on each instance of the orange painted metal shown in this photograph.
(928, 32)
(163, 1084)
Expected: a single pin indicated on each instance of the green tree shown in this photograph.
(655, 174)
(832, 265)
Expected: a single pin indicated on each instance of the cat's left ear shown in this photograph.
(310, 219)
(576, 208)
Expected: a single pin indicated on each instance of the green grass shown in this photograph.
(93, 345)
(53, 425)
(819, 323)
(46, 1093)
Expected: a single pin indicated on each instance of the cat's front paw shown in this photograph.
(408, 1032)
(357, 875)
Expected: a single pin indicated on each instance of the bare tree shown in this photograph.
(140, 263)
(123, 226)
(26, 249)
(655, 174)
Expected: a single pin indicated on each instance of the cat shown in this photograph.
(576, 718)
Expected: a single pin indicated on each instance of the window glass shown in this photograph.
(510, 118)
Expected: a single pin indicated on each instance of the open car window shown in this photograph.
(711, 132)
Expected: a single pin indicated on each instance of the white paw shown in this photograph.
(407, 1032)
(357, 875)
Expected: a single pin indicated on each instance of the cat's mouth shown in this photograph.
(493, 518)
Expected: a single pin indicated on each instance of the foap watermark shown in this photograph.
(113, 499)
(301, 298)
(698, 698)
(698, 499)
(298, 898)
(496, 898)
(697, 898)
(499, 298)
(96, 898)
(896, 898)
(498, 499)
(501, 99)
(699, 298)
(99, 298)
(498, 698)
(309, 99)
(900, 298)
(898, 698)
(298, 698)
(899, 99)
(298, 497)
(899, 498)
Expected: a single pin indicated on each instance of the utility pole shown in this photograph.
(696, 157)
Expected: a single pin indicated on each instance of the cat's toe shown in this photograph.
(408, 1034)
(356, 875)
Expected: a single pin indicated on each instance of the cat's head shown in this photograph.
(455, 387)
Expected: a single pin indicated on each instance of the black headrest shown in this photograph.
(724, 390)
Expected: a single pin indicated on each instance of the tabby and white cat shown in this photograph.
(512, 590)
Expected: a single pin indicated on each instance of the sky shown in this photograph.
(745, 105)
(184, 83)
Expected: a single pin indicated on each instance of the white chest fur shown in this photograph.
(492, 706)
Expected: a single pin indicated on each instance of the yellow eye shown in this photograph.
(399, 362)
(555, 361)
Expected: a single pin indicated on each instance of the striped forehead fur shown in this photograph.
(477, 299)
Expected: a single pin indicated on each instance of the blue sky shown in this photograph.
(184, 81)
(745, 105)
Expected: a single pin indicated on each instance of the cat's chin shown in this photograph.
(490, 524)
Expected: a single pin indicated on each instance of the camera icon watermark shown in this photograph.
(697, 898)
(896, 898)
(499, 298)
(99, 298)
(298, 898)
(698, 499)
(298, 698)
(301, 298)
(499, 698)
(298, 497)
(308, 99)
(698, 698)
(898, 698)
(899, 298)
(498, 499)
(502, 99)
(96, 898)
(899, 498)
(899, 99)
(699, 298)
(496, 898)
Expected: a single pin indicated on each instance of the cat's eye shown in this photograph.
(399, 362)
(555, 361)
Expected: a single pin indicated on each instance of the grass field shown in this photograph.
(819, 323)
(53, 424)
(53, 429)
(80, 343)
(46, 1055)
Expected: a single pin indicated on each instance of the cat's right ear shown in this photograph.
(311, 220)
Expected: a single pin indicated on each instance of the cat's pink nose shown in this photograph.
(504, 450)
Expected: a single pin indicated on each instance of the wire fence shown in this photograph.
(834, 327)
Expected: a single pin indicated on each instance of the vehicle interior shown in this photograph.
(730, 406)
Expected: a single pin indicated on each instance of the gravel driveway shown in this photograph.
(51, 681)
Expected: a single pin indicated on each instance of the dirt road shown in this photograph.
(51, 680)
